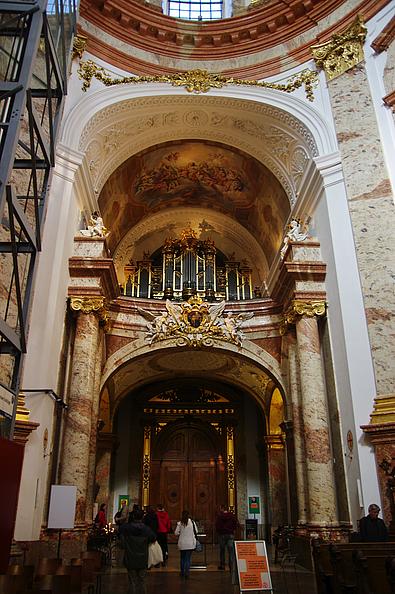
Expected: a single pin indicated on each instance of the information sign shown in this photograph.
(252, 565)
(254, 505)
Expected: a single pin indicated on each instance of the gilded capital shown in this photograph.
(79, 46)
(299, 308)
(87, 305)
(343, 51)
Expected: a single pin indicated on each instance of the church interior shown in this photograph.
(197, 297)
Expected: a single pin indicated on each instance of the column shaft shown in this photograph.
(322, 502)
(298, 430)
(75, 463)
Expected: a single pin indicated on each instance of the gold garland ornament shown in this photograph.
(196, 81)
(89, 305)
(343, 51)
(299, 308)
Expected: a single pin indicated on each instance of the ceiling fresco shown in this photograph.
(196, 174)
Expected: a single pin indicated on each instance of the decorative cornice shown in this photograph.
(342, 52)
(384, 409)
(384, 39)
(102, 269)
(274, 442)
(261, 28)
(300, 308)
(23, 425)
(390, 100)
(196, 81)
(89, 305)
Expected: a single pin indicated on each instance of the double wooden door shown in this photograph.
(187, 472)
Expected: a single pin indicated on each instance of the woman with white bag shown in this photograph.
(185, 531)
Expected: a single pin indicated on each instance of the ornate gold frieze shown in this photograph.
(343, 51)
(299, 308)
(195, 323)
(230, 464)
(79, 46)
(146, 464)
(89, 305)
(196, 81)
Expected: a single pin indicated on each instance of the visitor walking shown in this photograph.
(164, 527)
(135, 537)
(185, 530)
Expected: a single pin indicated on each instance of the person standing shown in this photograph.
(185, 530)
(225, 526)
(135, 537)
(151, 519)
(371, 527)
(164, 527)
(101, 518)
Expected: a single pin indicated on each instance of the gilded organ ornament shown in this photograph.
(343, 51)
(195, 323)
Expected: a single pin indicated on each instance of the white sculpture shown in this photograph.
(96, 227)
(294, 233)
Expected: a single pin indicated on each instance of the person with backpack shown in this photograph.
(135, 538)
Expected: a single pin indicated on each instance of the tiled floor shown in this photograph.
(166, 580)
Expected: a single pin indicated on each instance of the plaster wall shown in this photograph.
(380, 70)
(353, 368)
(33, 489)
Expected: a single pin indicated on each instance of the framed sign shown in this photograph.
(254, 506)
(62, 507)
(252, 565)
(123, 499)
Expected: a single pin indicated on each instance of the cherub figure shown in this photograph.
(96, 227)
(294, 233)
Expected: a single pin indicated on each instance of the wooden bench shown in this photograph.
(354, 568)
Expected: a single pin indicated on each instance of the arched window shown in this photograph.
(195, 10)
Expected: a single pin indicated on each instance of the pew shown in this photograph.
(354, 568)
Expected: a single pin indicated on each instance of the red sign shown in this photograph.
(252, 565)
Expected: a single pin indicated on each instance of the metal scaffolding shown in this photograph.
(35, 50)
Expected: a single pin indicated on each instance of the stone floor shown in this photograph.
(286, 579)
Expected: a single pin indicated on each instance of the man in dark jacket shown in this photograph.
(371, 527)
(135, 538)
(225, 525)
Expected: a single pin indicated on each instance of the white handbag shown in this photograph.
(155, 555)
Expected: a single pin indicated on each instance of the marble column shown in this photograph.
(298, 429)
(77, 435)
(320, 480)
(277, 479)
(94, 433)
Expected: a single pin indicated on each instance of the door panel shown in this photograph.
(173, 486)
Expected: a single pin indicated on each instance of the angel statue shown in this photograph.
(96, 227)
(157, 326)
(232, 326)
(294, 233)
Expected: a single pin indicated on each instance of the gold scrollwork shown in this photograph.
(89, 305)
(231, 472)
(196, 81)
(299, 308)
(146, 471)
(343, 51)
(79, 46)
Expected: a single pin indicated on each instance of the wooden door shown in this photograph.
(187, 472)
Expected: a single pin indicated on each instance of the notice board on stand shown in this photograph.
(252, 565)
